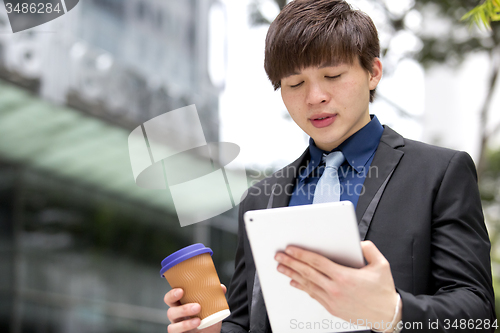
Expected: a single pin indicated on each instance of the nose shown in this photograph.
(316, 94)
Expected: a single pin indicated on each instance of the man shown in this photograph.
(418, 206)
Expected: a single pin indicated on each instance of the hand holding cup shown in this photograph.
(196, 298)
(184, 318)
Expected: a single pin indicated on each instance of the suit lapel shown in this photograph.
(383, 165)
(283, 187)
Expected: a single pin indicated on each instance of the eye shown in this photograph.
(297, 85)
(333, 77)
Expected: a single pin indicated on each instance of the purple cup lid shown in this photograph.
(183, 254)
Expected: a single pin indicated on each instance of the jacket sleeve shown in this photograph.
(238, 321)
(462, 298)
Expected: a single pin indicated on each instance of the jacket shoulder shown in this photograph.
(426, 148)
(421, 152)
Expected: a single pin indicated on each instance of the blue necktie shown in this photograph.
(328, 187)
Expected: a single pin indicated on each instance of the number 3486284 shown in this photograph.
(32, 8)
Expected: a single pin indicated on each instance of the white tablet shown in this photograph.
(330, 229)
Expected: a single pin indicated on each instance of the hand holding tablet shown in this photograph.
(328, 229)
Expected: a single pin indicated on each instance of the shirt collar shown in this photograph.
(357, 149)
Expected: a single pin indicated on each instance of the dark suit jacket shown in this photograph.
(422, 210)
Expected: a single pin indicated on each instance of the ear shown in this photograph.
(376, 73)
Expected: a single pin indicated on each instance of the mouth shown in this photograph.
(323, 120)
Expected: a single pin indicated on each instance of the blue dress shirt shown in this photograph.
(358, 151)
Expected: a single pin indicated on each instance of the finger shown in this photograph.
(371, 253)
(223, 288)
(314, 290)
(300, 272)
(184, 326)
(173, 296)
(317, 261)
(311, 288)
(179, 313)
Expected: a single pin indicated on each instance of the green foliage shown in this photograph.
(490, 179)
(484, 14)
(455, 42)
(489, 186)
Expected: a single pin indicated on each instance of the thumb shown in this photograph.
(223, 288)
(371, 253)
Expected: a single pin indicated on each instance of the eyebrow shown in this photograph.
(324, 65)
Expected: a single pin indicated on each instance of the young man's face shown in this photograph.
(330, 103)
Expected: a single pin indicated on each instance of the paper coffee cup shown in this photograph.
(193, 270)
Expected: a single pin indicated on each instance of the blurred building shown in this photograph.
(80, 243)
